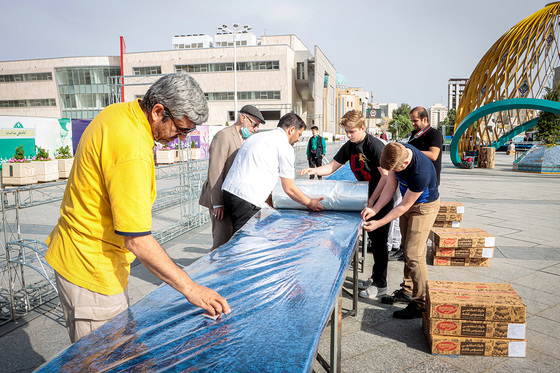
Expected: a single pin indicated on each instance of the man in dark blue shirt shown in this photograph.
(416, 177)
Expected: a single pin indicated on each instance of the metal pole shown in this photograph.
(234, 33)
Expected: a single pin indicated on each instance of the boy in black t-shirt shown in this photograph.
(363, 151)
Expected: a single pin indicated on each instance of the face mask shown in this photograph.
(245, 132)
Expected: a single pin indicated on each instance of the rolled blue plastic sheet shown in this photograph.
(343, 173)
(339, 195)
(281, 274)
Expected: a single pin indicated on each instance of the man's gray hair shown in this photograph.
(181, 95)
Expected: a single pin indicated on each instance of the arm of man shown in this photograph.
(290, 188)
(152, 255)
(433, 153)
(409, 199)
(326, 169)
(386, 195)
(324, 146)
(380, 185)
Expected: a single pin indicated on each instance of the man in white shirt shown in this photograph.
(259, 162)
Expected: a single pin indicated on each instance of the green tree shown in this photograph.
(549, 123)
(449, 122)
(402, 116)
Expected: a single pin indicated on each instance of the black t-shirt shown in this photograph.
(364, 159)
(432, 137)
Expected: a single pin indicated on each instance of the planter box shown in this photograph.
(165, 156)
(46, 170)
(195, 153)
(181, 155)
(64, 167)
(18, 174)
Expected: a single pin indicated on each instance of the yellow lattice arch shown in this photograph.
(519, 65)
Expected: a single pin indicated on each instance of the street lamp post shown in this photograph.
(234, 30)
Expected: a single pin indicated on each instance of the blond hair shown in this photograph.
(393, 156)
(353, 119)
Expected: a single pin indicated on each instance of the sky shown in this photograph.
(404, 51)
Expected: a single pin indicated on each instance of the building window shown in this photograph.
(228, 66)
(44, 102)
(8, 78)
(246, 95)
(84, 91)
(300, 72)
(146, 70)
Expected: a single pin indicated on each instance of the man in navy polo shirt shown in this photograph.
(416, 177)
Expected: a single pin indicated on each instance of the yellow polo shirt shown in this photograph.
(109, 194)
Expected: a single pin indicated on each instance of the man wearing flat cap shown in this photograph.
(223, 149)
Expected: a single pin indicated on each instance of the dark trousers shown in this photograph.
(238, 209)
(378, 247)
(315, 161)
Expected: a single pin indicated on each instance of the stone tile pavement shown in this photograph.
(521, 210)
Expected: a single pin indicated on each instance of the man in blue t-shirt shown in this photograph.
(416, 177)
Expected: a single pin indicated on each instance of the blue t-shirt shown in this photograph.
(419, 176)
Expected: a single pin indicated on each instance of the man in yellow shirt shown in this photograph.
(105, 216)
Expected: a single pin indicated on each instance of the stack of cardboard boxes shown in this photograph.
(474, 318)
(450, 215)
(471, 247)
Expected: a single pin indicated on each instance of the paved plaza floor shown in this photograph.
(522, 210)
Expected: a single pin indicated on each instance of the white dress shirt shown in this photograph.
(261, 160)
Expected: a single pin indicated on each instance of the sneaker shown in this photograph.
(398, 296)
(373, 292)
(363, 285)
(412, 311)
(396, 255)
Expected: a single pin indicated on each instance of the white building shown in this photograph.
(455, 89)
(437, 113)
(277, 74)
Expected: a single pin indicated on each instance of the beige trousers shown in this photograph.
(86, 310)
(415, 226)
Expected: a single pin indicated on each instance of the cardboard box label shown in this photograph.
(473, 348)
(517, 349)
(473, 313)
(516, 331)
(474, 330)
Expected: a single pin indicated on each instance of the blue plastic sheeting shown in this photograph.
(343, 173)
(281, 274)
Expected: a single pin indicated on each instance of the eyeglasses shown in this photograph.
(180, 131)
(252, 123)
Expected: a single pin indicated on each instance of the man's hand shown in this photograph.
(206, 298)
(368, 213)
(370, 226)
(315, 205)
(219, 212)
(307, 171)
(323, 156)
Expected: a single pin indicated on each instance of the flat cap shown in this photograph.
(253, 111)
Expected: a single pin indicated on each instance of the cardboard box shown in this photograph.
(447, 224)
(449, 216)
(454, 207)
(458, 262)
(477, 301)
(461, 237)
(474, 329)
(463, 252)
(452, 345)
